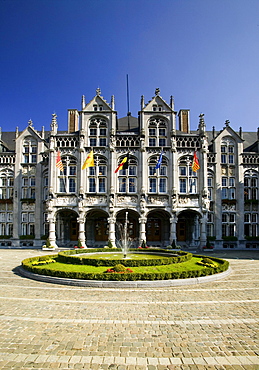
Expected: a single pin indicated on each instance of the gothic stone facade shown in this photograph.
(219, 202)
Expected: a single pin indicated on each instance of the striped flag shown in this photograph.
(124, 164)
(195, 163)
(59, 163)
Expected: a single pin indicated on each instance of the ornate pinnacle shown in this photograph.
(98, 91)
(157, 91)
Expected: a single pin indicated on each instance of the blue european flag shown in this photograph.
(158, 165)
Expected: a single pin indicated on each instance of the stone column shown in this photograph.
(142, 230)
(203, 224)
(111, 220)
(52, 231)
(81, 230)
(173, 222)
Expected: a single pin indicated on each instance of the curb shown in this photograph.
(123, 284)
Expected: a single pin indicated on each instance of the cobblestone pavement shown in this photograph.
(206, 326)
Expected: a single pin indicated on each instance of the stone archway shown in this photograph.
(158, 228)
(188, 228)
(97, 228)
(66, 228)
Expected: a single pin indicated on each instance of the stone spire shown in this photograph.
(172, 102)
(54, 125)
(112, 102)
(142, 104)
(83, 102)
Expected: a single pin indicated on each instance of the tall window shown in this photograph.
(157, 131)
(128, 178)
(6, 185)
(157, 177)
(210, 184)
(228, 187)
(210, 224)
(97, 176)
(45, 185)
(97, 132)
(68, 178)
(28, 226)
(227, 151)
(228, 224)
(29, 150)
(251, 203)
(187, 177)
(28, 182)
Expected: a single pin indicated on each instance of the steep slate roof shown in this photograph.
(128, 124)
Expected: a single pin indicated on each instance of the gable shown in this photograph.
(157, 104)
(97, 104)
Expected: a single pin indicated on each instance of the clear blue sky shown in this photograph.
(203, 52)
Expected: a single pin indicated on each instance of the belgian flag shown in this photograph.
(124, 164)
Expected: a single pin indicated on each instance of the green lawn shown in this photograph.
(184, 266)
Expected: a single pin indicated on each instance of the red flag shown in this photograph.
(195, 163)
(59, 163)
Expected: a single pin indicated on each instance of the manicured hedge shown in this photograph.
(44, 270)
(68, 257)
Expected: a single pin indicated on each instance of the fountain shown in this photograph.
(123, 241)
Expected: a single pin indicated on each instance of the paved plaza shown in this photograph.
(206, 326)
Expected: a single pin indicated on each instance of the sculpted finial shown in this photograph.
(157, 91)
(98, 91)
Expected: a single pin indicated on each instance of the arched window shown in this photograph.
(29, 150)
(227, 151)
(128, 178)
(97, 175)
(187, 177)
(157, 176)
(28, 182)
(157, 132)
(68, 177)
(97, 132)
(6, 184)
(251, 203)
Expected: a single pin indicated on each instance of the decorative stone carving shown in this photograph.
(28, 206)
(228, 207)
(95, 200)
(66, 201)
(158, 200)
(189, 201)
(127, 199)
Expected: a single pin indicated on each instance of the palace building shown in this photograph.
(165, 199)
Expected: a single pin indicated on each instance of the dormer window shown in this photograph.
(157, 132)
(95, 107)
(97, 132)
(29, 151)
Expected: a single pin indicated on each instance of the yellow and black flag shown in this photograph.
(124, 164)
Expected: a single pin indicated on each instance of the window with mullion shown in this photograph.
(128, 179)
(97, 176)
(157, 177)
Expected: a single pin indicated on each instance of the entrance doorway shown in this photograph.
(154, 229)
(66, 227)
(188, 228)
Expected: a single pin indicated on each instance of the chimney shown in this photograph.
(184, 120)
(72, 120)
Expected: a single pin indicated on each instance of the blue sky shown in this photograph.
(203, 52)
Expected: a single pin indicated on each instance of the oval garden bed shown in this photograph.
(109, 265)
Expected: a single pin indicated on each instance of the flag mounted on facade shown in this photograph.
(195, 163)
(159, 162)
(59, 163)
(89, 162)
(124, 164)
